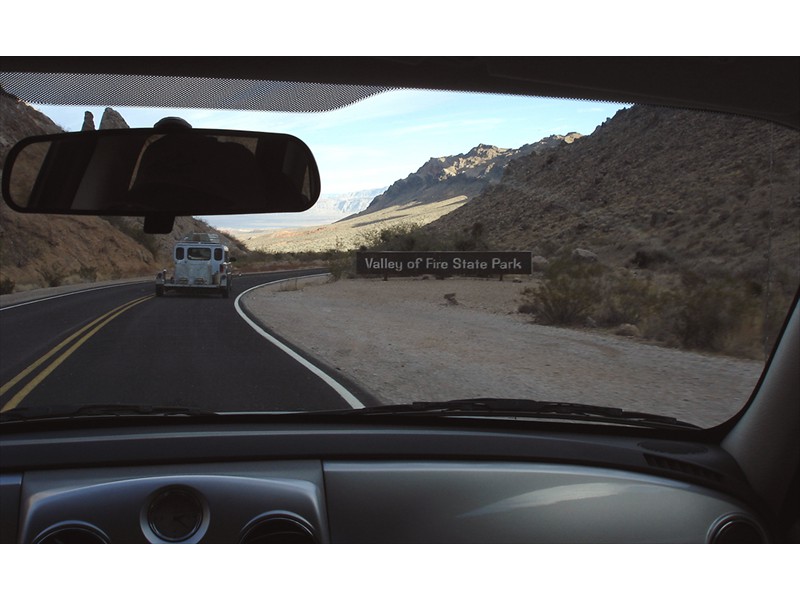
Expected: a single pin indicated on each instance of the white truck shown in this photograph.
(202, 263)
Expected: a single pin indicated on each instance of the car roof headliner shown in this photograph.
(762, 87)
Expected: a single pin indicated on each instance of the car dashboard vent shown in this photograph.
(682, 467)
(735, 529)
(673, 447)
(71, 533)
(281, 529)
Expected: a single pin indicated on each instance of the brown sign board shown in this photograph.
(475, 264)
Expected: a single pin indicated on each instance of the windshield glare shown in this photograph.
(464, 246)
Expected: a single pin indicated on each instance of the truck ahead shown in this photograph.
(202, 262)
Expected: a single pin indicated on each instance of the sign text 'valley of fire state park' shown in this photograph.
(477, 264)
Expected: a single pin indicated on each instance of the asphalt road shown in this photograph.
(122, 345)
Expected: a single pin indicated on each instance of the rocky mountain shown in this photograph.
(652, 184)
(44, 250)
(333, 207)
(460, 175)
(438, 187)
(18, 120)
(349, 203)
(111, 120)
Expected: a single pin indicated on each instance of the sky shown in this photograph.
(375, 142)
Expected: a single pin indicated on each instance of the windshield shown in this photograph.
(199, 253)
(464, 246)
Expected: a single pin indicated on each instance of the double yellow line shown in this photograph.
(77, 339)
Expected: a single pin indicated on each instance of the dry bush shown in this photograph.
(342, 264)
(720, 315)
(625, 298)
(568, 293)
(405, 237)
(88, 274)
(713, 311)
(53, 275)
(708, 313)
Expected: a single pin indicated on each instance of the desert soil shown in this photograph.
(404, 341)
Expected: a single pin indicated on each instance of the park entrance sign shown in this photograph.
(469, 264)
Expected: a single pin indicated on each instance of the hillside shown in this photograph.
(41, 251)
(696, 190)
(438, 187)
(460, 175)
(353, 231)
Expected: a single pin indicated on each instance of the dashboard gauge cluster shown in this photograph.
(175, 514)
(254, 503)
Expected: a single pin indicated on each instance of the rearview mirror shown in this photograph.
(161, 174)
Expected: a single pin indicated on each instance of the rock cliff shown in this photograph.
(460, 175)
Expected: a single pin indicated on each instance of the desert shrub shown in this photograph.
(527, 308)
(625, 298)
(567, 294)
(253, 260)
(386, 238)
(135, 230)
(88, 274)
(469, 239)
(6, 285)
(693, 310)
(53, 275)
(713, 312)
(342, 264)
(649, 258)
(405, 237)
(661, 324)
(710, 314)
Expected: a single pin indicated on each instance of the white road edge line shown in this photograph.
(338, 388)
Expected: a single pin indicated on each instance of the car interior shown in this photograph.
(383, 478)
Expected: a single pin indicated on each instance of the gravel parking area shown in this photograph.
(426, 339)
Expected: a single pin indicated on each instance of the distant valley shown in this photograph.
(351, 232)
(328, 209)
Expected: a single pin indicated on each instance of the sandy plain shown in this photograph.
(408, 340)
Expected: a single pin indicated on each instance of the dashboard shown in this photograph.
(378, 484)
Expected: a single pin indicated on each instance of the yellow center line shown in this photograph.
(98, 324)
(47, 356)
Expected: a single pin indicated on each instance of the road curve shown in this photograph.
(122, 345)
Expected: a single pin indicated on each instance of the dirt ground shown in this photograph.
(410, 340)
